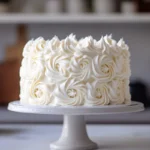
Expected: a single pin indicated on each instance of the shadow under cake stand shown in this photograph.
(74, 135)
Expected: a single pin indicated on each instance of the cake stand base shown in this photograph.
(74, 135)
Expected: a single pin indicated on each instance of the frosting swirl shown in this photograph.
(40, 94)
(80, 67)
(28, 48)
(89, 46)
(97, 94)
(71, 93)
(32, 69)
(52, 46)
(116, 92)
(57, 67)
(103, 68)
(24, 90)
(75, 72)
(69, 44)
(123, 67)
(34, 48)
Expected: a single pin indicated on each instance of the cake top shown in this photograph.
(71, 45)
(75, 72)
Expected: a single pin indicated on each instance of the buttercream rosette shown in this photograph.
(75, 72)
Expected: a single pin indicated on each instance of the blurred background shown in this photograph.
(21, 20)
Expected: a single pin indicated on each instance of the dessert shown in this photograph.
(73, 72)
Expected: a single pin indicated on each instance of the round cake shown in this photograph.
(73, 72)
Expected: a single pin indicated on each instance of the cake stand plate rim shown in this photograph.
(76, 110)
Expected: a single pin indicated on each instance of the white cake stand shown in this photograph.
(74, 135)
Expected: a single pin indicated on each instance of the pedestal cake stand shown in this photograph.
(74, 135)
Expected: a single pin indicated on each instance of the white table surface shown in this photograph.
(39, 136)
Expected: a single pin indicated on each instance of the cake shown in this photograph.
(73, 72)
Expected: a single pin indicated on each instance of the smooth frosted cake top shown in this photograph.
(75, 72)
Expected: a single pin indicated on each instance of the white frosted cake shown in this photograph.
(75, 72)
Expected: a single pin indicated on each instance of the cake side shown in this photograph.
(71, 72)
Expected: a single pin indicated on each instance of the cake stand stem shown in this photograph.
(74, 135)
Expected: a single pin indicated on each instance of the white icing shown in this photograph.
(28, 48)
(109, 41)
(70, 92)
(24, 90)
(97, 94)
(40, 93)
(80, 67)
(32, 69)
(116, 92)
(104, 68)
(127, 91)
(75, 72)
(69, 44)
(52, 46)
(122, 45)
(57, 67)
